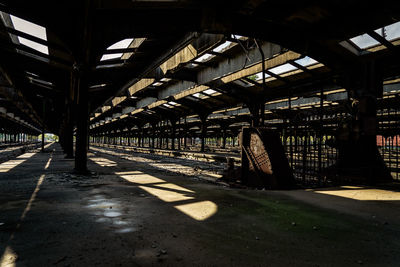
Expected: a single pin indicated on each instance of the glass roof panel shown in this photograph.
(223, 47)
(209, 91)
(364, 41)
(282, 68)
(258, 76)
(118, 45)
(204, 58)
(390, 32)
(31, 29)
(306, 61)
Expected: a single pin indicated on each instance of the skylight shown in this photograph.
(306, 61)
(118, 45)
(239, 37)
(97, 86)
(282, 69)
(258, 76)
(197, 95)
(209, 91)
(204, 58)
(31, 29)
(223, 47)
(157, 84)
(364, 41)
(390, 32)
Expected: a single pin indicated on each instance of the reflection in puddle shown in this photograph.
(126, 230)
(110, 213)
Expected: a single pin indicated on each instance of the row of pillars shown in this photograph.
(17, 138)
(365, 85)
(165, 142)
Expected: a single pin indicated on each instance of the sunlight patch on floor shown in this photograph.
(165, 195)
(199, 211)
(11, 164)
(8, 259)
(169, 192)
(103, 162)
(360, 193)
(9, 256)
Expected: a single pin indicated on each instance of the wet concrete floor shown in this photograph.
(137, 212)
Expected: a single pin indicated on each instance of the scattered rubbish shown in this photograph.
(142, 195)
(153, 246)
(164, 252)
(293, 223)
(257, 238)
(360, 262)
(315, 228)
(1, 223)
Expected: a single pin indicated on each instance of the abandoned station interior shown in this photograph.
(199, 133)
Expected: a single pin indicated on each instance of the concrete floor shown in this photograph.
(134, 212)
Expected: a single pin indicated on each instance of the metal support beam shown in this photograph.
(81, 122)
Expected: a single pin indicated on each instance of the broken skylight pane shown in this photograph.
(364, 41)
(118, 45)
(258, 76)
(31, 29)
(197, 95)
(282, 69)
(204, 58)
(306, 61)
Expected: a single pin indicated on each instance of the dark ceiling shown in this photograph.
(79, 32)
